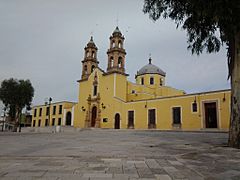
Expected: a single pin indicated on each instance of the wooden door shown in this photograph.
(211, 115)
(151, 118)
(117, 121)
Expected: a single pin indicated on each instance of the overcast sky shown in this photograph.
(44, 40)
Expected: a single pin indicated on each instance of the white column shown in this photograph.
(64, 117)
(72, 116)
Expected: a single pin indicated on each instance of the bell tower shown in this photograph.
(90, 61)
(116, 53)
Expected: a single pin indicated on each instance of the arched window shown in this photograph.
(151, 80)
(120, 44)
(120, 62)
(68, 119)
(93, 54)
(85, 69)
(94, 90)
(111, 62)
(92, 68)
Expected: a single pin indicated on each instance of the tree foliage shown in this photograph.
(16, 94)
(209, 24)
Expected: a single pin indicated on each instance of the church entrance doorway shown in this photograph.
(94, 116)
(117, 121)
(69, 119)
(211, 115)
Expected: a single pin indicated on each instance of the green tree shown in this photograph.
(16, 94)
(209, 25)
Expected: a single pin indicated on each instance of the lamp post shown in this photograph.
(49, 114)
(49, 110)
(4, 114)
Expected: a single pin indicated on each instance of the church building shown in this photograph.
(107, 99)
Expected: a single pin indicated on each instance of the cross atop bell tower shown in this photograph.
(90, 59)
(116, 53)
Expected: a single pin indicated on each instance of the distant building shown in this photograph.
(26, 119)
(108, 100)
(6, 123)
(60, 113)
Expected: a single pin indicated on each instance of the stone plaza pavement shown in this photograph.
(117, 154)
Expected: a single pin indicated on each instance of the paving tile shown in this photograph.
(72, 178)
(121, 176)
(158, 171)
(177, 175)
(100, 178)
(163, 177)
(131, 172)
(170, 169)
(163, 162)
(110, 154)
(190, 174)
(141, 165)
(152, 163)
(135, 161)
(111, 160)
(26, 173)
(96, 175)
(176, 163)
(115, 164)
(142, 179)
(115, 170)
(227, 174)
(93, 165)
(9, 178)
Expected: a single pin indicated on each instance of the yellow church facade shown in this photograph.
(107, 99)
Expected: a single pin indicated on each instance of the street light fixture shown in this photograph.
(48, 102)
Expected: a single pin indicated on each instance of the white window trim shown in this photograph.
(217, 100)
(192, 108)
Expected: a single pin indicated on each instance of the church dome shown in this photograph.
(151, 69)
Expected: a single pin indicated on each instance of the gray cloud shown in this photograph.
(43, 41)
